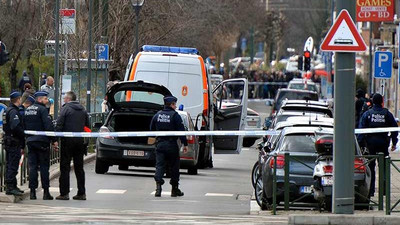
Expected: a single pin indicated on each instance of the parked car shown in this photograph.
(292, 94)
(253, 122)
(303, 84)
(300, 143)
(135, 114)
(306, 105)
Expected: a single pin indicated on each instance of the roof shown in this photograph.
(297, 121)
(295, 90)
(299, 80)
(305, 102)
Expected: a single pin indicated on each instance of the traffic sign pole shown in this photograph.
(344, 120)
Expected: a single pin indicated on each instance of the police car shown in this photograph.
(182, 70)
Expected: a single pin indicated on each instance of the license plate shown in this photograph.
(327, 181)
(305, 189)
(252, 123)
(133, 153)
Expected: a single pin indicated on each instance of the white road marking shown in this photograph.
(56, 189)
(218, 195)
(162, 193)
(254, 207)
(169, 200)
(245, 149)
(110, 191)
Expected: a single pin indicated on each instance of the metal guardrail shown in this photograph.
(287, 204)
(54, 155)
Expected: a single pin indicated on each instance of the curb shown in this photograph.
(342, 219)
(54, 173)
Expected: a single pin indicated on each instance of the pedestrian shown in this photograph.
(72, 118)
(37, 119)
(28, 91)
(49, 87)
(167, 149)
(24, 79)
(14, 142)
(376, 143)
(360, 100)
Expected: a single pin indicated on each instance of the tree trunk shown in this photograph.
(13, 75)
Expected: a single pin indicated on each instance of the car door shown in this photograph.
(230, 104)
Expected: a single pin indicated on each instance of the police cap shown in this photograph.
(377, 99)
(170, 99)
(40, 94)
(30, 99)
(15, 94)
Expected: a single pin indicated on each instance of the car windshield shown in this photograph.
(139, 96)
(301, 86)
(298, 143)
(295, 95)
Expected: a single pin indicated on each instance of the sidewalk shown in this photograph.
(54, 173)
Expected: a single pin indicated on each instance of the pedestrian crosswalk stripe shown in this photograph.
(110, 191)
(218, 195)
(162, 193)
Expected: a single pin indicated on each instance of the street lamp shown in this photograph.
(137, 5)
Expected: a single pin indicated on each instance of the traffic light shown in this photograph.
(300, 63)
(3, 54)
(307, 61)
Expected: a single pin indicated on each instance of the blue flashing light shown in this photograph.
(181, 50)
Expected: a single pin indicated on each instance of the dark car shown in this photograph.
(292, 94)
(299, 142)
(133, 106)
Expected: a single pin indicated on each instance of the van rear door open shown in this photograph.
(230, 117)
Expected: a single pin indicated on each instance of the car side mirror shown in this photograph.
(97, 125)
(267, 147)
(269, 102)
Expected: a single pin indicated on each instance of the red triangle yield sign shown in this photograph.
(343, 36)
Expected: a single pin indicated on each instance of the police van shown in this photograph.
(183, 72)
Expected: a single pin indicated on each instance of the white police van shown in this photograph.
(183, 72)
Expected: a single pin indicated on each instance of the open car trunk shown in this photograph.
(132, 122)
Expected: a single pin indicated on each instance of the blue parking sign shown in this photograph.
(102, 51)
(383, 64)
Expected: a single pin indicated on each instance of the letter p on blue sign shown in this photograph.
(383, 64)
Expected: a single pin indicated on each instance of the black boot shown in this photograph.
(13, 191)
(176, 192)
(158, 190)
(33, 194)
(46, 194)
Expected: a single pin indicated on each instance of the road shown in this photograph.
(221, 195)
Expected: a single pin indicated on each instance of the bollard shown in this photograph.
(274, 189)
(381, 160)
(387, 168)
(286, 184)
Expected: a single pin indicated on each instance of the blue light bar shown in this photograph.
(182, 50)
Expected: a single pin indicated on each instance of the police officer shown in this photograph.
(375, 117)
(167, 149)
(72, 118)
(14, 141)
(37, 119)
(28, 102)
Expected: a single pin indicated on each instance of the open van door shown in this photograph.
(230, 104)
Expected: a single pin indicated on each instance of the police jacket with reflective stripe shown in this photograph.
(37, 119)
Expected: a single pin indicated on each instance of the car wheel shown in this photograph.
(101, 167)
(248, 142)
(192, 171)
(123, 167)
(255, 173)
(262, 201)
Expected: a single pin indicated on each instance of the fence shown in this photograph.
(54, 155)
(288, 204)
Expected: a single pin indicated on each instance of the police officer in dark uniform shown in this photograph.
(37, 119)
(375, 117)
(167, 149)
(28, 102)
(14, 142)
